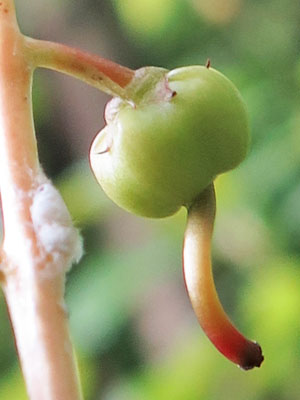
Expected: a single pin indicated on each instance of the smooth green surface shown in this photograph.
(163, 154)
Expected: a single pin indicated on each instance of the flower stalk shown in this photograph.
(98, 72)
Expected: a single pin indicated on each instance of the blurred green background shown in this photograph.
(134, 330)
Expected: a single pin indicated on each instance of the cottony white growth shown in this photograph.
(53, 226)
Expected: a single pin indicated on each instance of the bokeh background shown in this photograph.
(134, 330)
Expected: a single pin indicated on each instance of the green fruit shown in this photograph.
(163, 148)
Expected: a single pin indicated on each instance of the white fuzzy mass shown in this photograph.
(53, 225)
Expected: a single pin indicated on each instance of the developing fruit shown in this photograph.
(162, 148)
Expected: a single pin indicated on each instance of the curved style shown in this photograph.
(201, 288)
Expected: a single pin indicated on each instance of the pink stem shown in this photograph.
(94, 70)
(32, 276)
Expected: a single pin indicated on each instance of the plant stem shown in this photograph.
(32, 276)
(201, 288)
(103, 74)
